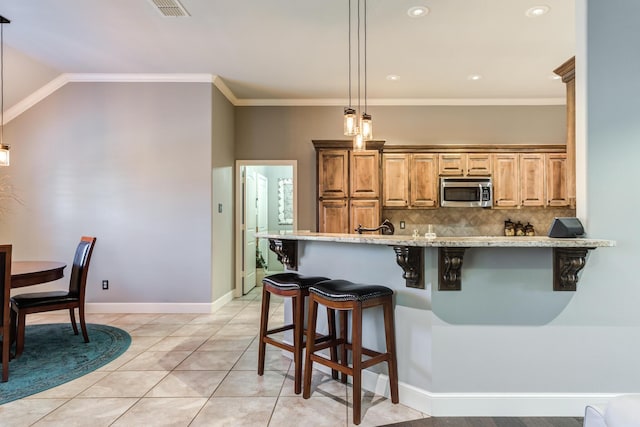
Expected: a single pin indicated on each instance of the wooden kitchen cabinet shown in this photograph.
(410, 180)
(464, 164)
(423, 179)
(452, 164)
(365, 174)
(479, 164)
(529, 179)
(348, 186)
(532, 179)
(333, 216)
(557, 180)
(333, 172)
(365, 213)
(506, 180)
(395, 180)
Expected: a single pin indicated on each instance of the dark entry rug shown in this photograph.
(53, 355)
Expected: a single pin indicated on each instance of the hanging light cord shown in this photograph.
(2, 83)
(349, 54)
(358, 38)
(365, 56)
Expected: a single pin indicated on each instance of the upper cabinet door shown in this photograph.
(532, 179)
(479, 164)
(557, 180)
(424, 180)
(505, 180)
(395, 180)
(333, 172)
(452, 164)
(365, 174)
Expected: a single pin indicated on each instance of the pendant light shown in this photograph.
(4, 149)
(358, 124)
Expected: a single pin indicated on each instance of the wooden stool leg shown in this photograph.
(311, 332)
(344, 357)
(389, 330)
(333, 350)
(264, 322)
(356, 351)
(298, 327)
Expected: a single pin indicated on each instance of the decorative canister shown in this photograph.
(528, 230)
(509, 229)
(519, 229)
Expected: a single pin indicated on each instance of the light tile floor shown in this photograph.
(195, 370)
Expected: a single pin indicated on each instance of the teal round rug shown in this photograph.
(53, 355)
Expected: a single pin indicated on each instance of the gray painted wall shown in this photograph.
(269, 133)
(129, 163)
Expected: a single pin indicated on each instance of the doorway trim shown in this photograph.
(240, 164)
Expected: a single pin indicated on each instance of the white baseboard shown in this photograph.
(487, 404)
(157, 307)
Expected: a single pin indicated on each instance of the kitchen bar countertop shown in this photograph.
(443, 242)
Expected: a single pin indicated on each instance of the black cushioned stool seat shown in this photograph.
(346, 296)
(295, 286)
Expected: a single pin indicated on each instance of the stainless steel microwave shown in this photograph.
(458, 192)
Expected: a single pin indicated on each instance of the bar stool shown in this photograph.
(295, 286)
(346, 296)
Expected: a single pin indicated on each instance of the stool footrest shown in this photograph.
(326, 343)
(280, 329)
(278, 344)
(381, 357)
(333, 365)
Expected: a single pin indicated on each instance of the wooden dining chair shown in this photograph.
(39, 302)
(5, 311)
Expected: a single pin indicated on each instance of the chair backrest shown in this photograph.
(80, 269)
(5, 284)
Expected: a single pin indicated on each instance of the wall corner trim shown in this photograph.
(65, 78)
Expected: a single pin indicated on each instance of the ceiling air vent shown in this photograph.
(170, 7)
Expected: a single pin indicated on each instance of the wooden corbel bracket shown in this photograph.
(450, 269)
(411, 259)
(287, 251)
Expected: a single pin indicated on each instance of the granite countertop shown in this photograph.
(466, 242)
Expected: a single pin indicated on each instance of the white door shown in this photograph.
(249, 231)
(263, 214)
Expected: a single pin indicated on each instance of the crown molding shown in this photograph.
(218, 82)
(65, 78)
(401, 102)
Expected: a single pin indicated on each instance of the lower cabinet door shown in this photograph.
(365, 213)
(333, 216)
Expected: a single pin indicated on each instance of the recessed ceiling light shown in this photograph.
(393, 77)
(417, 11)
(535, 11)
(474, 77)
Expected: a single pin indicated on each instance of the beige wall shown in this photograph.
(267, 133)
(129, 163)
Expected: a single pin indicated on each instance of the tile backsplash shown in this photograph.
(449, 222)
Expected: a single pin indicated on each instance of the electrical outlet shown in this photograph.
(402, 225)
(105, 284)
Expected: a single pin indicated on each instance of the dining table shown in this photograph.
(29, 273)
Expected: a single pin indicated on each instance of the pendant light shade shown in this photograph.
(358, 142)
(4, 149)
(4, 155)
(366, 127)
(350, 122)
